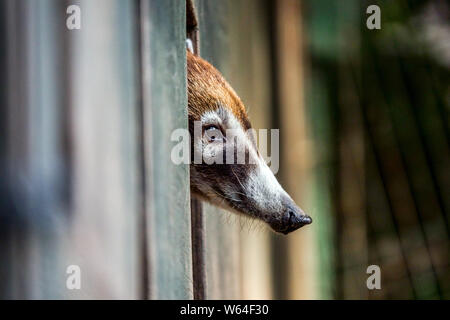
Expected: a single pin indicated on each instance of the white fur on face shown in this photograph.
(260, 187)
(264, 189)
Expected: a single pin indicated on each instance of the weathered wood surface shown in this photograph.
(33, 202)
(86, 156)
(197, 215)
(71, 106)
(168, 194)
(300, 260)
(104, 108)
(85, 153)
(222, 237)
(251, 76)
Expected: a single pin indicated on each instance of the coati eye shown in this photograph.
(212, 133)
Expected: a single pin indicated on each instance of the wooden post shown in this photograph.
(197, 218)
(164, 105)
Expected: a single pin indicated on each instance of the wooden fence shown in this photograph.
(86, 175)
(86, 179)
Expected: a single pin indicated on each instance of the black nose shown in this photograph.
(293, 219)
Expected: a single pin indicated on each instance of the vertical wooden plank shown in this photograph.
(13, 41)
(236, 40)
(295, 150)
(163, 59)
(95, 227)
(198, 250)
(250, 75)
(197, 216)
(222, 237)
(33, 154)
(23, 171)
(103, 230)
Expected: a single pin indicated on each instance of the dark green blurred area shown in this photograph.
(379, 102)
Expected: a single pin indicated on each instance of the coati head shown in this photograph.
(250, 187)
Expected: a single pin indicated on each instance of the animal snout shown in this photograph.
(295, 219)
(292, 219)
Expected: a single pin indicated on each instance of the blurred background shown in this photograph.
(85, 171)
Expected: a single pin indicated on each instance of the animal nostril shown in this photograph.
(297, 220)
(291, 221)
(292, 217)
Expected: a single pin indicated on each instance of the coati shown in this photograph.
(249, 188)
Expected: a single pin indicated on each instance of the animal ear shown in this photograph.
(189, 45)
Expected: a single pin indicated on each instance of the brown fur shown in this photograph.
(207, 90)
